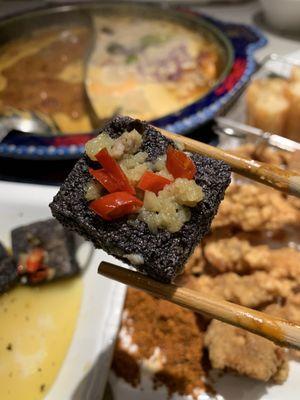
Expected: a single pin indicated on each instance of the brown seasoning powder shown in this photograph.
(176, 331)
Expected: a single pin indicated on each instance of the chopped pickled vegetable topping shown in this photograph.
(125, 168)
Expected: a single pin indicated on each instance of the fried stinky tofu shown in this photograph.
(252, 207)
(245, 353)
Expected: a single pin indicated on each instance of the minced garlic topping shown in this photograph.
(134, 166)
(127, 143)
(93, 146)
(185, 191)
(168, 210)
(93, 190)
(160, 167)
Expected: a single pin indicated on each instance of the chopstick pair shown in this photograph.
(273, 328)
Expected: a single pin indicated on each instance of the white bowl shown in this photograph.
(282, 14)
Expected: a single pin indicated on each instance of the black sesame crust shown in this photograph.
(3, 252)
(8, 270)
(51, 236)
(8, 274)
(164, 253)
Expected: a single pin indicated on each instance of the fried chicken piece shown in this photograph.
(294, 161)
(294, 164)
(237, 255)
(285, 263)
(250, 290)
(295, 74)
(294, 201)
(289, 311)
(263, 153)
(252, 207)
(235, 349)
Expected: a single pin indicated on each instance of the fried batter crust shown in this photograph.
(235, 349)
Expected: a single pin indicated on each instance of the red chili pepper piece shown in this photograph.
(35, 260)
(106, 180)
(38, 276)
(179, 164)
(153, 182)
(116, 205)
(113, 168)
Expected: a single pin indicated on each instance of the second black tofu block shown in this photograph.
(57, 243)
(8, 270)
(3, 252)
(164, 254)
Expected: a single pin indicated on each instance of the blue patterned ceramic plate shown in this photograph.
(239, 41)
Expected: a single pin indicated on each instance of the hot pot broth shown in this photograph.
(144, 67)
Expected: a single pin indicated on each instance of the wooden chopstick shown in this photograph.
(278, 178)
(273, 328)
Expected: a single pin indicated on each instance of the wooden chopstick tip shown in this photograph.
(104, 267)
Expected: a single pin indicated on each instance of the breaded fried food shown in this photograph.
(293, 121)
(251, 207)
(237, 255)
(295, 74)
(290, 311)
(252, 290)
(237, 350)
(267, 105)
(273, 104)
(263, 153)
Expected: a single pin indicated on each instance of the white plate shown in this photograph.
(84, 371)
(229, 387)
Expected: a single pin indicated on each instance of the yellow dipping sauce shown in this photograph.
(36, 329)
